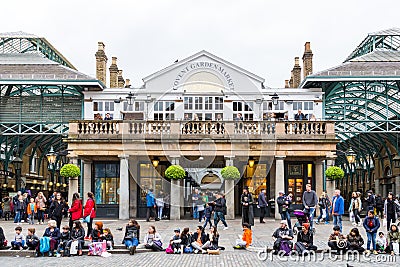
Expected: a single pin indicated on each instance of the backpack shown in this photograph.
(285, 247)
(44, 244)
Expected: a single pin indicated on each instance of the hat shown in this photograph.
(284, 222)
(177, 230)
(306, 225)
(369, 192)
(246, 187)
(99, 225)
(281, 192)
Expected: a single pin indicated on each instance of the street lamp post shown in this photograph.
(17, 162)
(51, 158)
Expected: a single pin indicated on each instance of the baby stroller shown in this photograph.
(302, 217)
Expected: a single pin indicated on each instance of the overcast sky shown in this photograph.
(261, 36)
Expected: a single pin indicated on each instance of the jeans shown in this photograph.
(285, 215)
(219, 215)
(390, 218)
(40, 215)
(337, 221)
(201, 215)
(356, 216)
(327, 214)
(160, 210)
(208, 220)
(131, 242)
(311, 216)
(32, 218)
(90, 227)
(195, 212)
(371, 238)
(17, 218)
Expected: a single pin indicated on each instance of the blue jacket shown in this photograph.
(375, 224)
(151, 201)
(208, 212)
(339, 205)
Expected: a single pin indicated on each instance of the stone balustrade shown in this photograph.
(193, 128)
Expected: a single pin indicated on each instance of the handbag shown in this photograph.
(74, 248)
(87, 218)
(169, 250)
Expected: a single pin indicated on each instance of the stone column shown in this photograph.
(279, 180)
(230, 192)
(319, 177)
(176, 195)
(73, 183)
(87, 177)
(124, 187)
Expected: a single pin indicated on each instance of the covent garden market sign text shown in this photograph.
(204, 65)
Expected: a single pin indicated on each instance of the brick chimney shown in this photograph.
(127, 83)
(113, 73)
(307, 60)
(121, 81)
(101, 63)
(296, 73)
(291, 80)
(287, 84)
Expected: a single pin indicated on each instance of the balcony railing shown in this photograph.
(215, 128)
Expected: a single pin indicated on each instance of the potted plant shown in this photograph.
(334, 173)
(175, 172)
(230, 173)
(70, 171)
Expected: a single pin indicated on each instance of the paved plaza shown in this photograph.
(230, 257)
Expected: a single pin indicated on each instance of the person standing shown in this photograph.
(90, 210)
(160, 204)
(283, 207)
(246, 200)
(337, 209)
(310, 202)
(151, 205)
(323, 203)
(370, 200)
(371, 225)
(262, 203)
(57, 209)
(355, 207)
(219, 204)
(75, 210)
(379, 205)
(41, 207)
(195, 198)
(299, 116)
(389, 210)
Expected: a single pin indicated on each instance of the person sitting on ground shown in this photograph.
(186, 240)
(131, 236)
(246, 239)
(175, 241)
(19, 239)
(108, 237)
(97, 232)
(153, 240)
(212, 244)
(3, 241)
(355, 241)
(54, 234)
(393, 238)
(77, 234)
(65, 237)
(282, 235)
(305, 241)
(336, 239)
(381, 242)
(32, 240)
(371, 225)
(199, 239)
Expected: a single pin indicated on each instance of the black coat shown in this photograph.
(57, 209)
(131, 231)
(53, 235)
(78, 234)
(220, 204)
(305, 238)
(65, 237)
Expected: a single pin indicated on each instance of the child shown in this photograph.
(131, 236)
(355, 240)
(371, 225)
(65, 237)
(381, 242)
(97, 232)
(18, 242)
(152, 240)
(176, 241)
(32, 240)
(3, 241)
(207, 214)
(246, 239)
(336, 239)
(108, 237)
(31, 210)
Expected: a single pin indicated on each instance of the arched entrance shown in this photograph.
(211, 181)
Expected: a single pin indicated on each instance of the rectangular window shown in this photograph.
(158, 116)
(237, 106)
(136, 106)
(97, 106)
(188, 103)
(208, 103)
(158, 106)
(297, 105)
(309, 105)
(219, 103)
(169, 106)
(198, 103)
(267, 105)
(109, 106)
(280, 106)
(106, 180)
(248, 106)
(169, 116)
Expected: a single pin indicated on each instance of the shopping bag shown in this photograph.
(97, 248)
(352, 218)
(396, 248)
(323, 213)
(74, 248)
(384, 222)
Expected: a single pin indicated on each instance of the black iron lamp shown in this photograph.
(130, 98)
(275, 99)
(351, 155)
(17, 162)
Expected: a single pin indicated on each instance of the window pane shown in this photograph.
(188, 103)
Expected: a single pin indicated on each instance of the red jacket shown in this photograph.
(89, 209)
(76, 210)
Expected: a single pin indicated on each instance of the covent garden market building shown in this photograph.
(203, 113)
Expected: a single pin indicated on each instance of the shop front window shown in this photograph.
(150, 178)
(106, 179)
(256, 179)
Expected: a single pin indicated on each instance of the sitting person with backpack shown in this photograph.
(283, 237)
(305, 240)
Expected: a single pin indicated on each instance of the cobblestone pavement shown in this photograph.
(261, 238)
